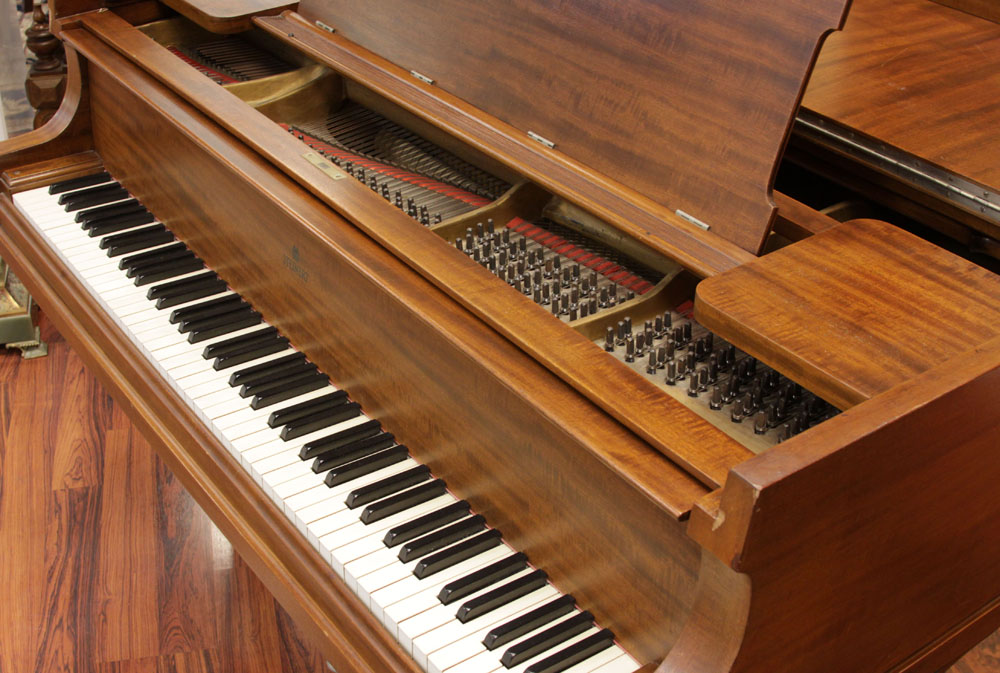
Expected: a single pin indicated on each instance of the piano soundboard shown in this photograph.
(436, 575)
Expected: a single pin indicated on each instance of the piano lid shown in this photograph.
(686, 102)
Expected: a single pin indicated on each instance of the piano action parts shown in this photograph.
(552, 308)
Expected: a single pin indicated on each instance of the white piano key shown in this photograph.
(449, 630)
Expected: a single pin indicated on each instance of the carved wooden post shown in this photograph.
(47, 77)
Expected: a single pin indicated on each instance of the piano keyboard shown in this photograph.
(444, 583)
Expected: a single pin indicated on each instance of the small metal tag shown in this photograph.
(328, 28)
(422, 78)
(320, 162)
(545, 141)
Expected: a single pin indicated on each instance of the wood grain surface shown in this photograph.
(693, 444)
(987, 9)
(922, 77)
(854, 310)
(227, 16)
(870, 540)
(686, 103)
(108, 564)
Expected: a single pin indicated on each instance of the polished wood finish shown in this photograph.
(646, 93)
(856, 522)
(109, 565)
(986, 9)
(654, 226)
(594, 461)
(690, 442)
(862, 519)
(855, 310)
(227, 16)
(919, 76)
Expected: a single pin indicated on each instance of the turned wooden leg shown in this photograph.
(47, 78)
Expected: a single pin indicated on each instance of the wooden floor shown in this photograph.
(108, 566)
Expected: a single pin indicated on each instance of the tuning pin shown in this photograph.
(715, 400)
(737, 413)
(760, 423)
(585, 286)
(603, 301)
(651, 363)
(671, 374)
(661, 357)
(628, 324)
(693, 385)
(629, 348)
(620, 333)
(480, 229)
(687, 332)
(640, 343)
(691, 360)
(584, 309)
(658, 326)
(573, 312)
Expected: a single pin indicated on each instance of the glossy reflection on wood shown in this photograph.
(108, 564)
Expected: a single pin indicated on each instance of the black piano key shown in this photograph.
(239, 343)
(227, 324)
(339, 439)
(218, 319)
(457, 553)
(118, 223)
(184, 286)
(431, 542)
(403, 501)
(79, 183)
(495, 598)
(109, 241)
(303, 409)
(329, 458)
(546, 640)
(341, 474)
(100, 212)
(574, 654)
(289, 389)
(95, 196)
(528, 622)
(269, 370)
(319, 420)
(136, 239)
(149, 241)
(426, 523)
(138, 259)
(206, 308)
(383, 488)
(275, 377)
(482, 578)
(152, 262)
(172, 269)
(250, 354)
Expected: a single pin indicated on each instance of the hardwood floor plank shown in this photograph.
(109, 566)
(188, 575)
(78, 452)
(25, 515)
(66, 631)
(126, 596)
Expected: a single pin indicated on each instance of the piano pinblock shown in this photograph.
(855, 310)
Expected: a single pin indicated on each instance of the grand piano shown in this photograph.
(480, 332)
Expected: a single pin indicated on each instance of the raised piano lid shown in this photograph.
(684, 106)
